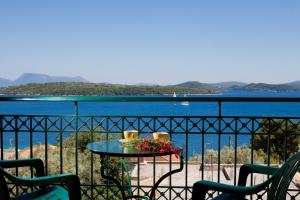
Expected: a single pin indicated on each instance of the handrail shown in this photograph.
(148, 99)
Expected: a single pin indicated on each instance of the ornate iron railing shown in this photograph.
(213, 144)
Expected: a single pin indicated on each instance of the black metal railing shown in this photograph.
(215, 145)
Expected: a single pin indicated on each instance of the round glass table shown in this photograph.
(114, 148)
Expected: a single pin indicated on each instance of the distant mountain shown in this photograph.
(263, 87)
(43, 78)
(5, 82)
(295, 84)
(39, 78)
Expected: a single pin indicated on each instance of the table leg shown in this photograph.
(165, 176)
(103, 158)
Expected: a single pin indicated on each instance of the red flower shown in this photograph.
(157, 146)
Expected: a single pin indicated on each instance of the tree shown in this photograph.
(275, 133)
(85, 161)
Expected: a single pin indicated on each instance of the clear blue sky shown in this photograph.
(157, 41)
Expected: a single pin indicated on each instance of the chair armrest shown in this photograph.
(138, 197)
(268, 170)
(200, 189)
(252, 168)
(70, 180)
(30, 162)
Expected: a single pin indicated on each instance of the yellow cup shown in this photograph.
(131, 134)
(161, 136)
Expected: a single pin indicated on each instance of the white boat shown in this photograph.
(185, 103)
(174, 94)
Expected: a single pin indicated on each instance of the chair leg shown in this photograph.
(198, 192)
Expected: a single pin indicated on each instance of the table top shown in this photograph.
(115, 148)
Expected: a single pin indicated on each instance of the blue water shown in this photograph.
(161, 108)
(157, 109)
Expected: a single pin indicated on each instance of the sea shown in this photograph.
(193, 142)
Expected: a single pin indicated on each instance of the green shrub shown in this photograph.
(227, 155)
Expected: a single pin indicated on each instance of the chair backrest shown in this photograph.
(126, 175)
(4, 194)
(283, 177)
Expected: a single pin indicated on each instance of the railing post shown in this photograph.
(76, 135)
(92, 158)
(219, 136)
(61, 143)
(75, 108)
(1, 136)
(16, 130)
(235, 147)
(46, 148)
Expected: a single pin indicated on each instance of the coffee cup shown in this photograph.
(131, 134)
(161, 136)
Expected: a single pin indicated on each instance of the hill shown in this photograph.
(28, 83)
(191, 84)
(100, 89)
(263, 87)
(227, 84)
(195, 84)
(295, 84)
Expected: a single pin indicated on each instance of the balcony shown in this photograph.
(216, 142)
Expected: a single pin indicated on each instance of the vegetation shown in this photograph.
(272, 132)
(263, 87)
(86, 160)
(227, 156)
(98, 89)
(276, 133)
(86, 164)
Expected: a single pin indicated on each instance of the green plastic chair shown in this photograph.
(278, 182)
(127, 186)
(48, 186)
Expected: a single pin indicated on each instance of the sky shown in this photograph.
(157, 41)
